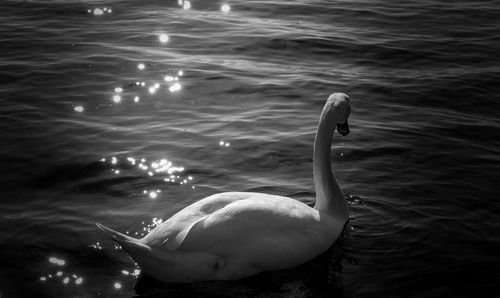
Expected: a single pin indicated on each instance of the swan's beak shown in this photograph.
(343, 128)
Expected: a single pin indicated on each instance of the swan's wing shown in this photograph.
(252, 219)
(270, 230)
(170, 234)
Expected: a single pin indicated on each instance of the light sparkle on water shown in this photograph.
(162, 168)
(78, 109)
(225, 8)
(141, 66)
(163, 38)
(57, 261)
(175, 87)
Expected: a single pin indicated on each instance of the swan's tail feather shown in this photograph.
(134, 247)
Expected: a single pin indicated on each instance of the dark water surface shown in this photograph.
(420, 166)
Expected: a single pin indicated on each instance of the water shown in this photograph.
(420, 166)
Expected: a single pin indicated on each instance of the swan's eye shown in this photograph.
(218, 265)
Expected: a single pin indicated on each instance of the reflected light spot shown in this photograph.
(79, 281)
(136, 99)
(59, 273)
(180, 2)
(117, 172)
(118, 89)
(125, 272)
(117, 98)
(225, 8)
(114, 160)
(168, 78)
(117, 285)
(175, 87)
(89, 10)
(152, 89)
(98, 12)
(43, 278)
(156, 85)
(187, 5)
(141, 66)
(163, 38)
(57, 261)
(153, 195)
(79, 109)
(221, 143)
(110, 10)
(180, 73)
(66, 280)
(143, 84)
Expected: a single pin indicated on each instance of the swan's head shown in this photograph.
(339, 105)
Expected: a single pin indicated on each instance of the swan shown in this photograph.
(232, 235)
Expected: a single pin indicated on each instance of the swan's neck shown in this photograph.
(329, 197)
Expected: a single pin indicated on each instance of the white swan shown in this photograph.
(233, 235)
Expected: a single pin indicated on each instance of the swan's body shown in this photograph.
(236, 234)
